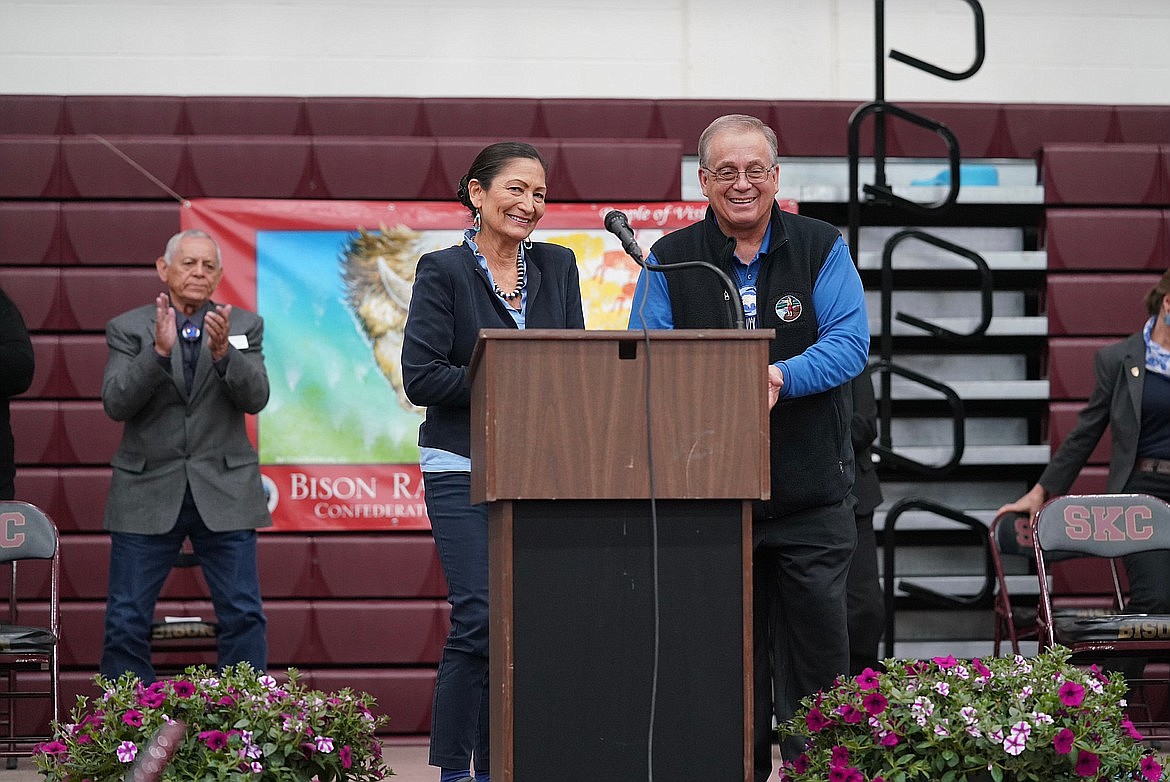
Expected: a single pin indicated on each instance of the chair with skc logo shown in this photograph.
(1110, 527)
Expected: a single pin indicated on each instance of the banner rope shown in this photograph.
(142, 170)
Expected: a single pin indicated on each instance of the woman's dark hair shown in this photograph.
(490, 161)
(1157, 293)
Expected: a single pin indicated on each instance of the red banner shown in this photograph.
(338, 439)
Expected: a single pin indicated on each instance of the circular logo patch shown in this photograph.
(788, 308)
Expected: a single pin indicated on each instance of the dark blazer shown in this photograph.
(451, 301)
(1116, 402)
(170, 438)
(16, 375)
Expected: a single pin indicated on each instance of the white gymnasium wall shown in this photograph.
(1074, 51)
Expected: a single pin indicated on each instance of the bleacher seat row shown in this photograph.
(384, 167)
(810, 127)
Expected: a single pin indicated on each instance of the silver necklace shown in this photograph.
(519, 278)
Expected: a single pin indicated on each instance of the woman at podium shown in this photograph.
(495, 278)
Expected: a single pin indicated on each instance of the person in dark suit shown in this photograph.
(1132, 398)
(16, 375)
(182, 374)
(495, 278)
(866, 606)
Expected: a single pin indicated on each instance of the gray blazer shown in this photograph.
(1116, 402)
(170, 439)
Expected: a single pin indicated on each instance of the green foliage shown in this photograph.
(240, 725)
(1038, 719)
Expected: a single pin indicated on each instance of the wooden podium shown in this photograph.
(620, 628)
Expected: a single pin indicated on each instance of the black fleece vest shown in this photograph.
(812, 454)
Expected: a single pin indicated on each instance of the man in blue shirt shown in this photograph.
(795, 276)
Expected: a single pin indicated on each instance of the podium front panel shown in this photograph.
(582, 612)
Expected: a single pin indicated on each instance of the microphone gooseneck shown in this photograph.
(618, 224)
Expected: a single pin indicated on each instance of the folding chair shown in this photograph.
(1107, 526)
(1016, 618)
(1011, 538)
(28, 651)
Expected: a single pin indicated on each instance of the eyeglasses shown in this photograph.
(755, 174)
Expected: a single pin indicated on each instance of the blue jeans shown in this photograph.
(139, 565)
(459, 715)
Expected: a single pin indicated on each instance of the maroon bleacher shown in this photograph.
(979, 128)
(1103, 174)
(1070, 365)
(253, 115)
(685, 119)
(128, 115)
(375, 167)
(1097, 304)
(31, 166)
(1115, 239)
(601, 118)
(249, 166)
(29, 232)
(1062, 417)
(91, 169)
(1030, 126)
(68, 366)
(328, 116)
(80, 229)
(496, 118)
(110, 233)
(618, 170)
(38, 115)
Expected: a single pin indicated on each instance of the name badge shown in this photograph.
(238, 341)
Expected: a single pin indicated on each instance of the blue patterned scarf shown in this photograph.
(1157, 357)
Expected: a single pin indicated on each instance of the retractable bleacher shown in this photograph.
(80, 228)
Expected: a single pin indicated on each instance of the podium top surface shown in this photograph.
(562, 414)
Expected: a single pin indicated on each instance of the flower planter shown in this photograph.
(234, 725)
(1038, 719)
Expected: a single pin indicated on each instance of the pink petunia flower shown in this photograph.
(945, 662)
(874, 703)
(184, 689)
(869, 679)
(1132, 730)
(345, 755)
(850, 714)
(1072, 694)
(816, 721)
(1087, 764)
(152, 700)
(1151, 769)
(133, 718)
(1062, 742)
(214, 739)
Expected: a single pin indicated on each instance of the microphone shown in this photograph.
(618, 224)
